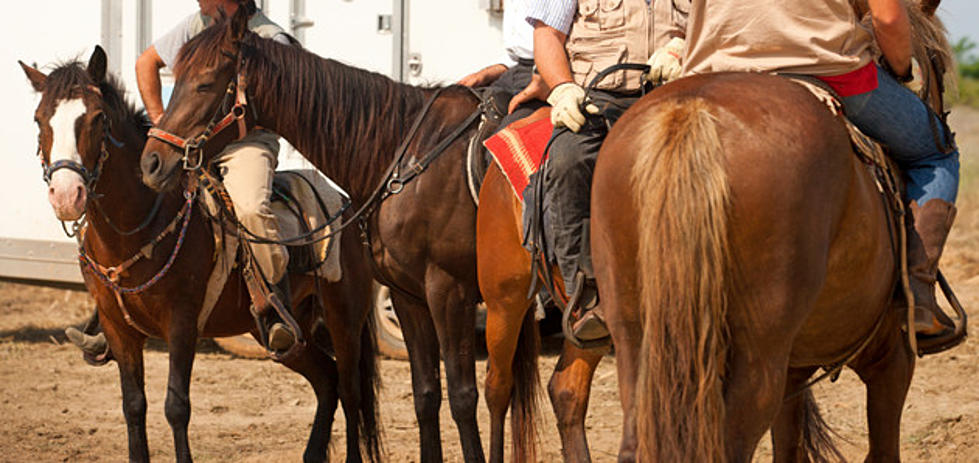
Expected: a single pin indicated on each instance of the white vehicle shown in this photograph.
(412, 41)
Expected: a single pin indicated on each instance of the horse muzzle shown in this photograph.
(158, 171)
(67, 195)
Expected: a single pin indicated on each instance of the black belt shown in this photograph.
(525, 61)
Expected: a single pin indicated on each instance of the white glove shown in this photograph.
(917, 81)
(565, 101)
(664, 65)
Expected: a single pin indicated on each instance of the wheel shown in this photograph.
(243, 346)
(390, 341)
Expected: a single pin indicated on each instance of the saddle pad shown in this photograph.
(519, 148)
(298, 183)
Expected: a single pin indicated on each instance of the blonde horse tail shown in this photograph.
(682, 195)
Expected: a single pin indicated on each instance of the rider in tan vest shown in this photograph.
(573, 42)
(825, 39)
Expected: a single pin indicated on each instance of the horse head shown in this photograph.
(208, 97)
(71, 125)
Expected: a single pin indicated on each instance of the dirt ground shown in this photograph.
(54, 407)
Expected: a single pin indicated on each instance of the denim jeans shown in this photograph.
(897, 118)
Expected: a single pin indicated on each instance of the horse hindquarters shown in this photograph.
(511, 333)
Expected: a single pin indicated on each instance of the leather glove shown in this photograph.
(664, 65)
(565, 101)
(917, 81)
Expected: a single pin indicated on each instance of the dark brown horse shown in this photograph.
(736, 263)
(86, 125)
(350, 123)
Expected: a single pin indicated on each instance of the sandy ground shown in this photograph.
(57, 408)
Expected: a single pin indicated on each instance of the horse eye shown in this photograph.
(203, 88)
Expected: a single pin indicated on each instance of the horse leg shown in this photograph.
(423, 355)
(887, 376)
(340, 321)
(569, 390)
(622, 317)
(753, 391)
(454, 313)
(787, 429)
(321, 372)
(504, 316)
(181, 344)
(126, 346)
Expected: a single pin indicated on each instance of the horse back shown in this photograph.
(809, 247)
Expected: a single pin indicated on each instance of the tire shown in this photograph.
(390, 340)
(244, 346)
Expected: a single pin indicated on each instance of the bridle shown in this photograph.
(89, 177)
(193, 146)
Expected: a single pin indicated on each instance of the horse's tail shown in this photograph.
(370, 383)
(526, 391)
(817, 436)
(682, 196)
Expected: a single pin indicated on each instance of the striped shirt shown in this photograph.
(555, 13)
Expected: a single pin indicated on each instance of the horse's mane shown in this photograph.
(358, 115)
(66, 80)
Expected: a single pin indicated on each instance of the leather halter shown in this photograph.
(191, 146)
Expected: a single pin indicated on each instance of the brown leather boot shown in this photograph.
(932, 222)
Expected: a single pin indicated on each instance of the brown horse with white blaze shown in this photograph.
(90, 140)
(750, 248)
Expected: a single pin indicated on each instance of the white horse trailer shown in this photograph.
(414, 41)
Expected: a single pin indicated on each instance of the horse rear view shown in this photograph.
(762, 252)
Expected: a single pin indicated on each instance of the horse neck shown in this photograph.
(353, 135)
(121, 195)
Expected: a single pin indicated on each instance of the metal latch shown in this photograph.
(300, 22)
(415, 64)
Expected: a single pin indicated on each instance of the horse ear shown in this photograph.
(96, 65)
(929, 6)
(36, 77)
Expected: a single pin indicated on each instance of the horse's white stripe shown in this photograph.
(64, 145)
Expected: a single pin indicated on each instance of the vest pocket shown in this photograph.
(611, 14)
(585, 65)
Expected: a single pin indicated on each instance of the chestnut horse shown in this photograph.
(349, 123)
(738, 261)
(86, 125)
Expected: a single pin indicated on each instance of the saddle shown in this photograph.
(302, 201)
(887, 176)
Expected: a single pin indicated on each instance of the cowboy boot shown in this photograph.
(90, 338)
(932, 223)
(281, 338)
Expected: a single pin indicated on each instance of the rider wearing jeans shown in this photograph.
(825, 39)
(247, 165)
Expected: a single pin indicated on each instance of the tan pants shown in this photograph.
(248, 166)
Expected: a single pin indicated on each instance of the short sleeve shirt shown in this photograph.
(168, 45)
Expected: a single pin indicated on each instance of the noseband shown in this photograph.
(194, 146)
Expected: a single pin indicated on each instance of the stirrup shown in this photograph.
(567, 324)
(949, 338)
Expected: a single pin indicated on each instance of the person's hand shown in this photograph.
(565, 101)
(536, 90)
(483, 76)
(664, 65)
(916, 82)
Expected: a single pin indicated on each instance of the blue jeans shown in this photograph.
(897, 118)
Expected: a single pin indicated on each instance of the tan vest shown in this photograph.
(258, 23)
(822, 38)
(607, 32)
